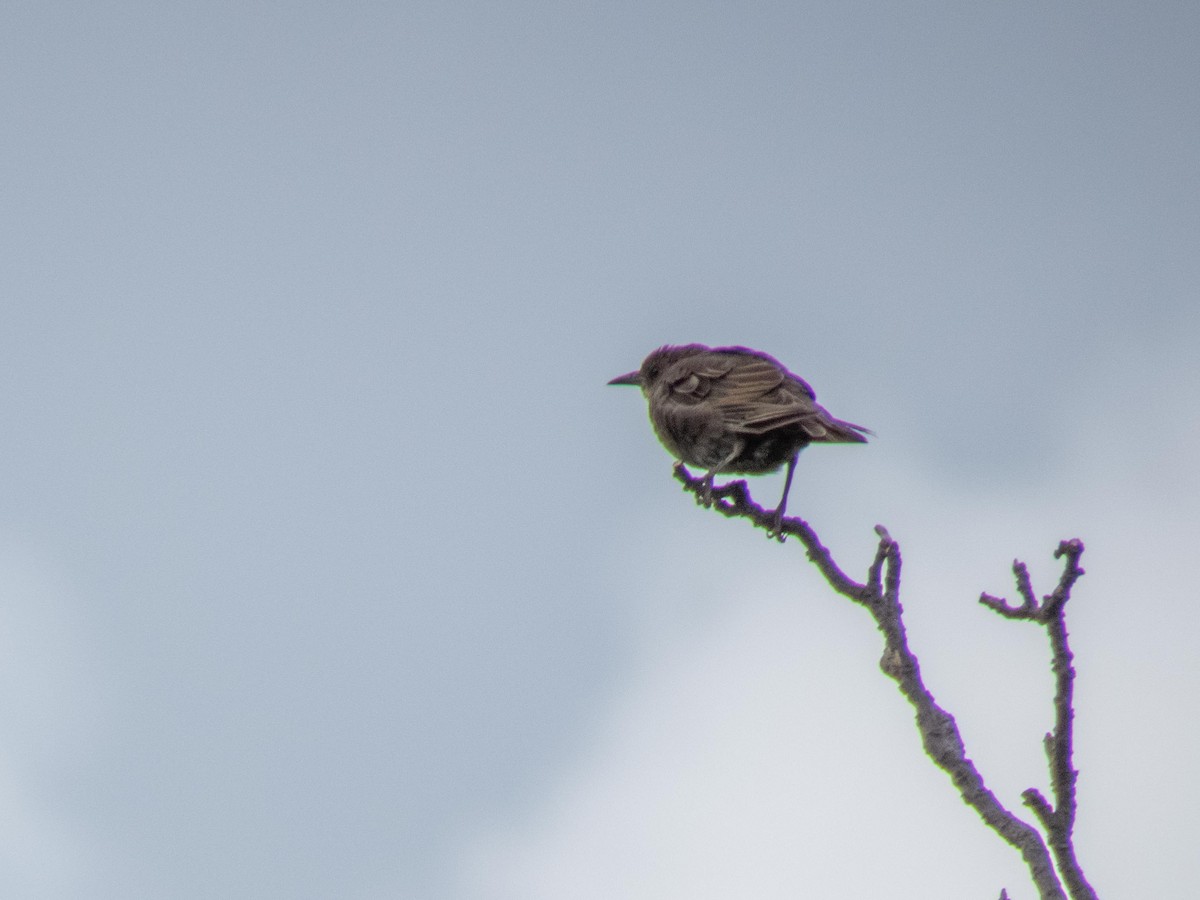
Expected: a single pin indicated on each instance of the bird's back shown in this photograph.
(752, 393)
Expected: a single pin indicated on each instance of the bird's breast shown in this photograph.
(701, 438)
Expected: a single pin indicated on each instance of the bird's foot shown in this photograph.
(776, 529)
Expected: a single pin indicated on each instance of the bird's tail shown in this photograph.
(835, 431)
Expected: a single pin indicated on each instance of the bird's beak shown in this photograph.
(628, 378)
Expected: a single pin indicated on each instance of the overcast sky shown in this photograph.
(330, 567)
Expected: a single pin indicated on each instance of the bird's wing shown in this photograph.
(753, 394)
(758, 395)
(813, 418)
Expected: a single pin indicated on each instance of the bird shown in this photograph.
(734, 410)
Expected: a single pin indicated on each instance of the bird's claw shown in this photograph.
(776, 529)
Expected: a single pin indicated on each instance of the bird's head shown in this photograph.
(658, 362)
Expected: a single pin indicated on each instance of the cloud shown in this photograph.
(49, 729)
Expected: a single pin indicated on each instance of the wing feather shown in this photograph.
(759, 395)
(747, 392)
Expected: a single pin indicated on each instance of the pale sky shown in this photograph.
(330, 567)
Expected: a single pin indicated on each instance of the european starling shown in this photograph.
(734, 410)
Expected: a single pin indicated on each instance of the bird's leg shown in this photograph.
(738, 446)
(776, 527)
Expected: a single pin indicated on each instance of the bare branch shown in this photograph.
(1060, 746)
(1024, 586)
(1057, 820)
(733, 500)
(1028, 608)
(1041, 807)
(874, 573)
(880, 595)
